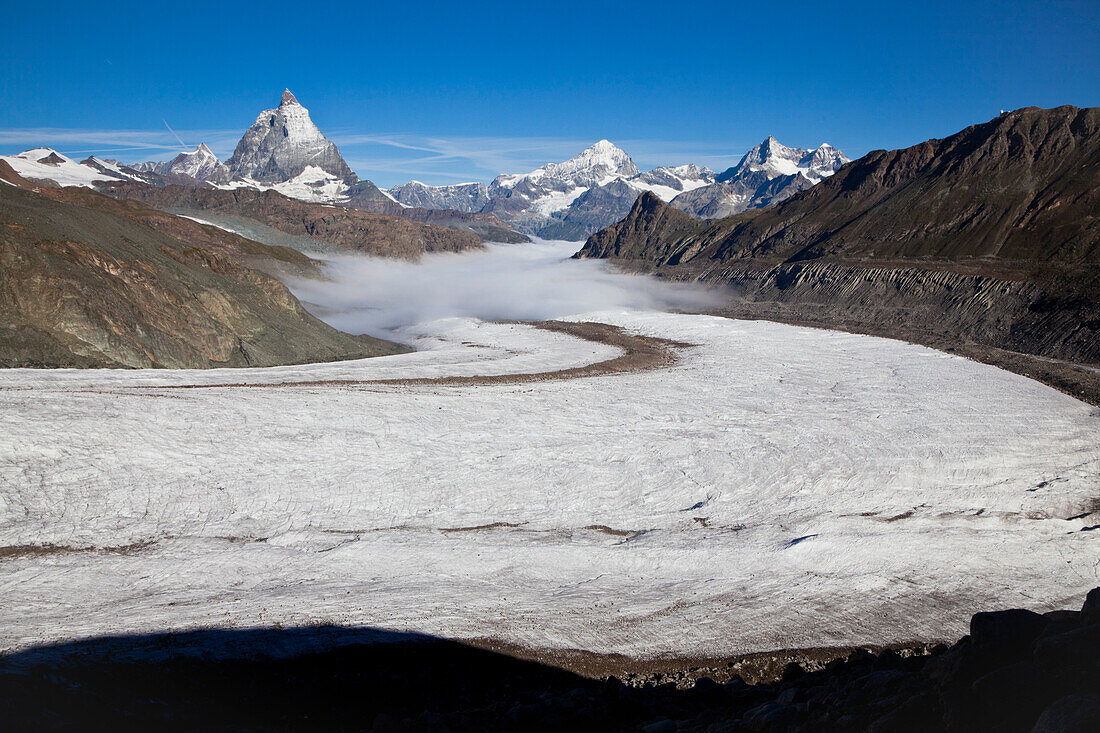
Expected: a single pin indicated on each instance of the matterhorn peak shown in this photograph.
(282, 143)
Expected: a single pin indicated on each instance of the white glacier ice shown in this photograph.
(777, 487)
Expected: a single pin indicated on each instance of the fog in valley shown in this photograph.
(536, 281)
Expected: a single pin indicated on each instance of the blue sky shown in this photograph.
(444, 92)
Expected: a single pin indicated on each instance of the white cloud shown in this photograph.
(130, 146)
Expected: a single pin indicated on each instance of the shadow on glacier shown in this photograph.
(314, 678)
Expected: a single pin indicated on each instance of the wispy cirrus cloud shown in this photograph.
(128, 145)
(386, 158)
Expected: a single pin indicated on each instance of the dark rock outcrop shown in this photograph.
(652, 232)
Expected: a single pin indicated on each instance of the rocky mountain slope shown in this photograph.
(336, 228)
(989, 238)
(87, 281)
(1024, 186)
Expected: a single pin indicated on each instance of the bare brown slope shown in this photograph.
(89, 286)
(340, 227)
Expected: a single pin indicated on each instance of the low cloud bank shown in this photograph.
(522, 282)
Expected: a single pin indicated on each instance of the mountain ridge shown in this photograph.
(292, 157)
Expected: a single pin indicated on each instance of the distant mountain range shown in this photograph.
(572, 199)
(283, 150)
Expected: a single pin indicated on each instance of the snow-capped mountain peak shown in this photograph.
(200, 164)
(45, 156)
(603, 161)
(774, 159)
(767, 174)
(596, 165)
(46, 164)
(825, 161)
(282, 143)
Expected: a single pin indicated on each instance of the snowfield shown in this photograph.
(778, 487)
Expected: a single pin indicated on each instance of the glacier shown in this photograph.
(776, 487)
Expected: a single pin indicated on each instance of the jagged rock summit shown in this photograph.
(282, 143)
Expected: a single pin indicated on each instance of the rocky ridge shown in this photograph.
(467, 197)
(317, 227)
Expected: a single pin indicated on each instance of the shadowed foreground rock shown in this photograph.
(1016, 671)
